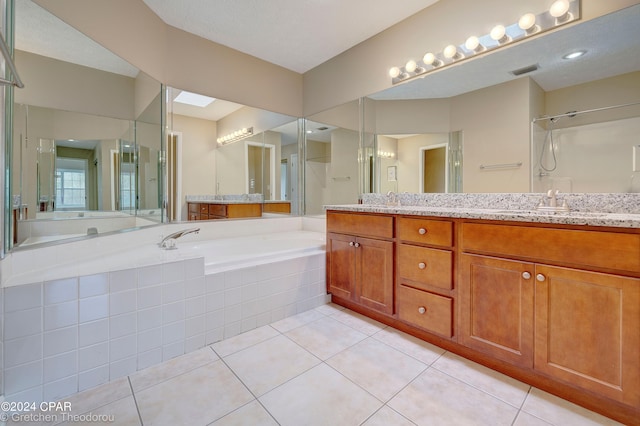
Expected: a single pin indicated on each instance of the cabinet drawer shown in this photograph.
(601, 249)
(204, 208)
(426, 231)
(437, 316)
(217, 210)
(426, 266)
(360, 224)
(194, 208)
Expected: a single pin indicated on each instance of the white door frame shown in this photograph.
(272, 162)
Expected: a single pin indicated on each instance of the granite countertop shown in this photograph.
(563, 218)
(616, 210)
(225, 199)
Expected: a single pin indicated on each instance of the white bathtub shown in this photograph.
(231, 253)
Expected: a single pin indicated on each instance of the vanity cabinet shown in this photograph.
(360, 259)
(574, 324)
(425, 274)
(209, 211)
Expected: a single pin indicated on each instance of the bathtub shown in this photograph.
(140, 305)
(230, 253)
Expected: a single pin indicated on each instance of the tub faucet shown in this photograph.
(169, 242)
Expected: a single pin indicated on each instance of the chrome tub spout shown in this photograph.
(169, 242)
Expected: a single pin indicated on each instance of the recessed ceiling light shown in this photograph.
(574, 55)
(193, 99)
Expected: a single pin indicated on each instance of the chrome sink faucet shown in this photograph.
(169, 242)
(552, 204)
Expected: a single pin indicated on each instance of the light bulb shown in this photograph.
(394, 72)
(430, 59)
(559, 8)
(473, 44)
(527, 22)
(450, 52)
(411, 66)
(499, 34)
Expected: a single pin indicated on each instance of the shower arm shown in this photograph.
(574, 113)
(9, 62)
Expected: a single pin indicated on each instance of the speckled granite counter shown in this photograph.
(225, 199)
(616, 210)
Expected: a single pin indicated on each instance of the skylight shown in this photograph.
(193, 99)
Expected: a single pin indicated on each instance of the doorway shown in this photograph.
(434, 168)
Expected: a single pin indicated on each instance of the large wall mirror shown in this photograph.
(86, 151)
(570, 125)
(228, 151)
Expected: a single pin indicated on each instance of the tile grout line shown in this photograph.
(135, 401)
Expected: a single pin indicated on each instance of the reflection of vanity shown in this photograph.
(550, 299)
(224, 210)
(209, 207)
(275, 206)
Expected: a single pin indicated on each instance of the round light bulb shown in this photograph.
(429, 58)
(498, 32)
(559, 8)
(472, 43)
(394, 72)
(450, 51)
(411, 66)
(527, 21)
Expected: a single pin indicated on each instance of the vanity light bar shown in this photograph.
(560, 13)
(235, 136)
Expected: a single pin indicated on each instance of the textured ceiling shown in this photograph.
(295, 34)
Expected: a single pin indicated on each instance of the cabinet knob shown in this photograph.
(422, 310)
(540, 277)
(357, 244)
(526, 275)
(422, 231)
(422, 265)
(351, 244)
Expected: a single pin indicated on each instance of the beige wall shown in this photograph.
(179, 59)
(198, 156)
(409, 158)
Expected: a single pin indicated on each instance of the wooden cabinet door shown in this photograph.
(496, 307)
(341, 265)
(374, 274)
(588, 330)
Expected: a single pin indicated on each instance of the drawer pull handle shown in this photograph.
(526, 275)
(422, 310)
(540, 277)
(357, 244)
(422, 265)
(422, 231)
(351, 243)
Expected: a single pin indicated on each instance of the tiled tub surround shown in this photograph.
(67, 334)
(619, 210)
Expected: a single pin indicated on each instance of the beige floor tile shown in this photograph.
(329, 309)
(361, 323)
(122, 412)
(502, 387)
(97, 397)
(560, 412)
(387, 417)
(197, 397)
(158, 373)
(412, 346)
(252, 414)
(321, 396)
(526, 419)
(266, 365)
(377, 367)
(296, 321)
(435, 398)
(244, 340)
(325, 337)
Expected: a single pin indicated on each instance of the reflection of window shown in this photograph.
(70, 188)
(127, 186)
(71, 181)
